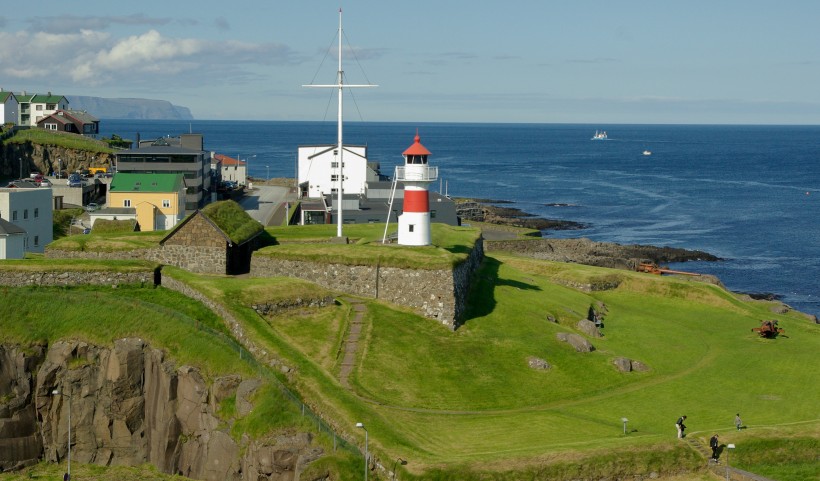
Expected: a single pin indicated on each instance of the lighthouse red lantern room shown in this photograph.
(416, 175)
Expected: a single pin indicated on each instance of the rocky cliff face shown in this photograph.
(129, 108)
(47, 158)
(129, 405)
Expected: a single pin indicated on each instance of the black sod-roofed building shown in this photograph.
(218, 239)
(178, 155)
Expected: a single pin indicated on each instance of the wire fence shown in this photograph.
(265, 372)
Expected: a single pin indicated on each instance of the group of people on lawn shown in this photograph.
(713, 441)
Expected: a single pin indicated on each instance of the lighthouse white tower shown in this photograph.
(414, 222)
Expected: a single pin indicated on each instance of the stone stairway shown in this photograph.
(351, 344)
(720, 468)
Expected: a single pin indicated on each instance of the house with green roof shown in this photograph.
(34, 107)
(156, 200)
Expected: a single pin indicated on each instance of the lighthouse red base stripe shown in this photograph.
(416, 201)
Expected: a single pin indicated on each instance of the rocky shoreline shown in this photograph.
(580, 250)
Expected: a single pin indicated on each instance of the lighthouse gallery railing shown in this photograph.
(417, 173)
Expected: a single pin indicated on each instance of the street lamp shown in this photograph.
(729, 447)
(248, 167)
(398, 460)
(58, 393)
(624, 420)
(267, 176)
(360, 425)
(59, 168)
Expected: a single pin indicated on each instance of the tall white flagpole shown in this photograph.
(339, 143)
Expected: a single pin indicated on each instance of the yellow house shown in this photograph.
(158, 199)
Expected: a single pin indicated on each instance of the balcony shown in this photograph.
(416, 173)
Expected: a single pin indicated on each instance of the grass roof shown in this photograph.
(233, 220)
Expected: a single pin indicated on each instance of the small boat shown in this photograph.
(599, 135)
(646, 152)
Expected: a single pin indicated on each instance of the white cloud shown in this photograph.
(95, 58)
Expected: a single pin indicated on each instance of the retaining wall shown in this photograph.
(438, 294)
(14, 278)
(205, 260)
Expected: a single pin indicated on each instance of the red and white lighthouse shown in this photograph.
(414, 222)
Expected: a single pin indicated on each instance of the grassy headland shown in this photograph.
(466, 405)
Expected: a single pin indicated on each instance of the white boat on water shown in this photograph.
(599, 135)
(647, 152)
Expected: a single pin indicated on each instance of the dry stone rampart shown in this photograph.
(205, 260)
(437, 294)
(14, 278)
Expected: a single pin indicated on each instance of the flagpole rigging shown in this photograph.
(340, 85)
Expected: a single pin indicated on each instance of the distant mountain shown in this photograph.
(103, 108)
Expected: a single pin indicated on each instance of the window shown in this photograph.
(126, 203)
(166, 203)
(36, 212)
(50, 126)
(14, 215)
(36, 241)
(334, 165)
(334, 178)
(39, 107)
(25, 214)
(411, 227)
(432, 214)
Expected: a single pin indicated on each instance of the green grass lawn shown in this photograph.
(309, 243)
(109, 241)
(444, 398)
(460, 405)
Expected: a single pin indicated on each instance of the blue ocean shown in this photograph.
(748, 194)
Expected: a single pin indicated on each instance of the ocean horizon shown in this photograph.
(749, 194)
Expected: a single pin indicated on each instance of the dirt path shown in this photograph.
(351, 344)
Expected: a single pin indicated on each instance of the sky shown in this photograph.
(529, 61)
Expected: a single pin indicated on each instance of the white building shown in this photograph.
(34, 107)
(31, 210)
(232, 170)
(8, 108)
(12, 241)
(319, 170)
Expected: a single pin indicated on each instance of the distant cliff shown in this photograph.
(129, 108)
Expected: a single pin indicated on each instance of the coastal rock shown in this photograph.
(538, 363)
(627, 365)
(623, 364)
(589, 328)
(601, 254)
(577, 342)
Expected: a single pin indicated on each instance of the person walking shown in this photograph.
(738, 422)
(681, 427)
(714, 444)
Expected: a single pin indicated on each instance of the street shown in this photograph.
(263, 204)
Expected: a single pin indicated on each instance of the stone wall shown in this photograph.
(70, 278)
(197, 231)
(205, 260)
(230, 321)
(437, 294)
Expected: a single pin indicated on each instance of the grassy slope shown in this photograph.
(468, 397)
(444, 400)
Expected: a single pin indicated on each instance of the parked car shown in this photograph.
(91, 207)
(45, 183)
(74, 180)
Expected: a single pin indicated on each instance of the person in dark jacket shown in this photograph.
(714, 444)
(679, 424)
